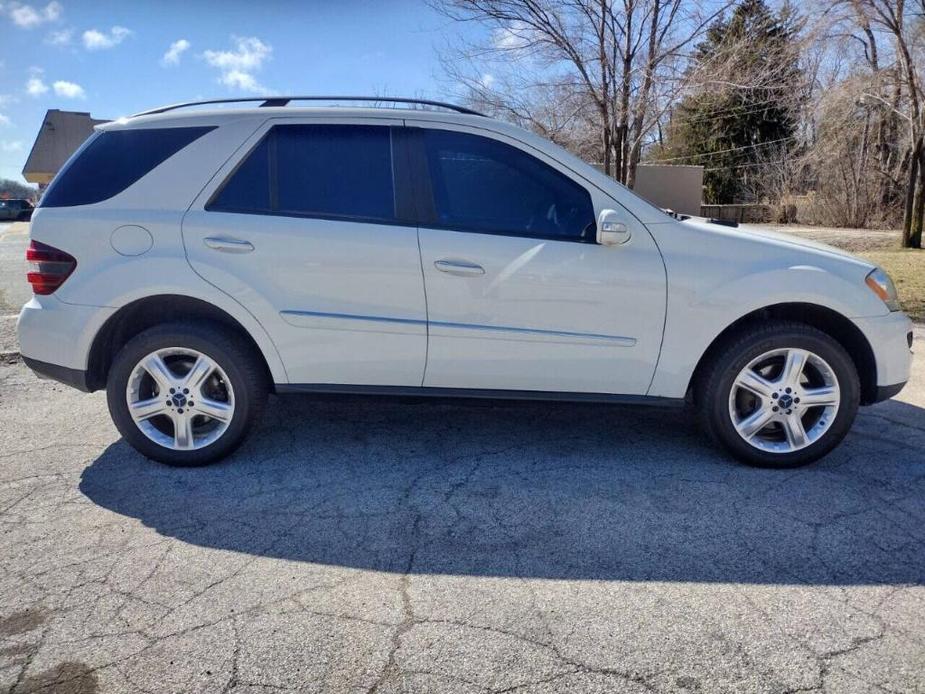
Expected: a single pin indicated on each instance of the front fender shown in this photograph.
(700, 309)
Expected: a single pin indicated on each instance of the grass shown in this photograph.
(907, 268)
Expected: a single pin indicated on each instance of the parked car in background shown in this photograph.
(232, 252)
(15, 210)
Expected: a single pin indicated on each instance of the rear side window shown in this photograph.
(115, 160)
(248, 189)
(487, 186)
(326, 171)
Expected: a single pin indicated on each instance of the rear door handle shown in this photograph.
(462, 268)
(227, 245)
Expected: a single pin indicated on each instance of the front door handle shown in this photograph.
(462, 268)
(228, 245)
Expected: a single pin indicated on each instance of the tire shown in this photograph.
(229, 381)
(745, 380)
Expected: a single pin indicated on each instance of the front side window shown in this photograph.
(487, 186)
(113, 161)
(326, 171)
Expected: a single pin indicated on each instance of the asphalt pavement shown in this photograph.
(14, 290)
(376, 545)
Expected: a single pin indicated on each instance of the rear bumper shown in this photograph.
(75, 378)
(55, 338)
(890, 338)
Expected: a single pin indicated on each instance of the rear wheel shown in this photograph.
(782, 395)
(186, 394)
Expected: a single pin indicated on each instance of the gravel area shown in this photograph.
(852, 240)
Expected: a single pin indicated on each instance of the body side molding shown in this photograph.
(477, 393)
(300, 318)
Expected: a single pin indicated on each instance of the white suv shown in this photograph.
(190, 261)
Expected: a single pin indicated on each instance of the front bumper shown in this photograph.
(886, 392)
(890, 338)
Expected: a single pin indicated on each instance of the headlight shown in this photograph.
(881, 285)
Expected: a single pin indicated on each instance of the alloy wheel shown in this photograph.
(784, 400)
(180, 398)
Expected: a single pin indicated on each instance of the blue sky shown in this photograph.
(115, 58)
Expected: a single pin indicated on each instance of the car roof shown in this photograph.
(219, 116)
(224, 116)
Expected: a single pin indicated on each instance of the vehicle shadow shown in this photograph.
(538, 490)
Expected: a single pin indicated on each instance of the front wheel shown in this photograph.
(781, 395)
(186, 394)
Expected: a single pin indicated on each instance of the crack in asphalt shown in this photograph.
(379, 531)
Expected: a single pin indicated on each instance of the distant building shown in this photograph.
(62, 132)
(676, 188)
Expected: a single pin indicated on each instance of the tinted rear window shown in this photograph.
(115, 160)
(248, 189)
(326, 171)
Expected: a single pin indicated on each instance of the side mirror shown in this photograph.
(610, 230)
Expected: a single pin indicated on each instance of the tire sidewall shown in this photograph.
(214, 344)
(821, 345)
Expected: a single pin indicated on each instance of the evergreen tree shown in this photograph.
(745, 107)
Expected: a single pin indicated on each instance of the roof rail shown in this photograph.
(268, 101)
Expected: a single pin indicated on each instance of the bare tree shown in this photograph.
(574, 66)
(846, 182)
(849, 166)
(897, 19)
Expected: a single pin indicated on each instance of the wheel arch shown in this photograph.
(831, 322)
(139, 315)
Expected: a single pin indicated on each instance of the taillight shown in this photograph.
(48, 267)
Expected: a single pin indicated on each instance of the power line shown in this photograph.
(748, 166)
(719, 151)
(722, 112)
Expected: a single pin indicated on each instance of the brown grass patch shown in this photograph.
(907, 268)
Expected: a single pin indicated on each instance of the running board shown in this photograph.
(480, 393)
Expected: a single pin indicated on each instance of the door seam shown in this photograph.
(426, 310)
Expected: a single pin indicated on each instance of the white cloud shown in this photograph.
(96, 40)
(235, 79)
(516, 35)
(487, 80)
(68, 90)
(4, 119)
(177, 48)
(60, 38)
(11, 145)
(249, 54)
(29, 17)
(34, 85)
(238, 65)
